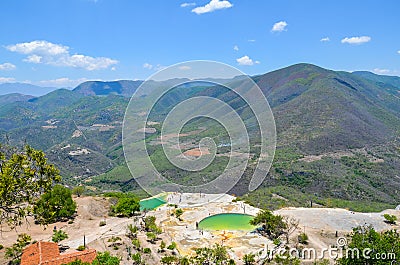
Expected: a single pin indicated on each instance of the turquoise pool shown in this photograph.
(227, 221)
(152, 203)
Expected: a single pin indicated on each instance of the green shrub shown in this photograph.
(151, 237)
(169, 260)
(366, 238)
(136, 243)
(172, 246)
(390, 219)
(80, 248)
(78, 190)
(58, 236)
(114, 239)
(126, 206)
(137, 258)
(55, 205)
(249, 259)
(147, 250)
(131, 231)
(104, 258)
(178, 213)
(162, 245)
(15, 251)
(303, 238)
(102, 223)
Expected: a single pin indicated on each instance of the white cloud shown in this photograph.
(184, 67)
(245, 60)
(325, 39)
(398, 51)
(251, 40)
(236, 48)
(38, 47)
(147, 66)
(45, 52)
(33, 59)
(381, 71)
(279, 26)
(86, 62)
(356, 40)
(159, 67)
(187, 4)
(212, 6)
(7, 66)
(7, 79)
(62, 82)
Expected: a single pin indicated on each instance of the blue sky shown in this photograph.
(62, 43)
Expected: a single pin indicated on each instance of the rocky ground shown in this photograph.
(320, 224)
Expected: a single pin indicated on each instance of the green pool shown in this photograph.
(152, 203)
(227, 221)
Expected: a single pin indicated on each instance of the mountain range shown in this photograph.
(337, 134)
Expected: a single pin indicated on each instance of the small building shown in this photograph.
(48, 253)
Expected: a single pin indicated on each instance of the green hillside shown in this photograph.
(337, 136)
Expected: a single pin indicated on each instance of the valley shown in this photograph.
(337, 136)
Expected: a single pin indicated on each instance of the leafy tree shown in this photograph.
(78, 190)
(390, 219)
(375, 244)
(162, 246)
(169, 260)
(291, 225)
(286, 259)
(150, 225)
(218, 255)
(131, 231)
(273, 225)
(249, 259)
(58, 236)
(151, 237)
(126, 206)
(149, 222)
(146, 250)
(136, 243)
(137, 258)
(184, 260)
(303, 238)
(24, 176)
(104, 258)
(172, 246)
(178, 213)
(15, 251)
(55, 205)
(203, 256)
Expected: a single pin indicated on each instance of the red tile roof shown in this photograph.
(48, 253)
